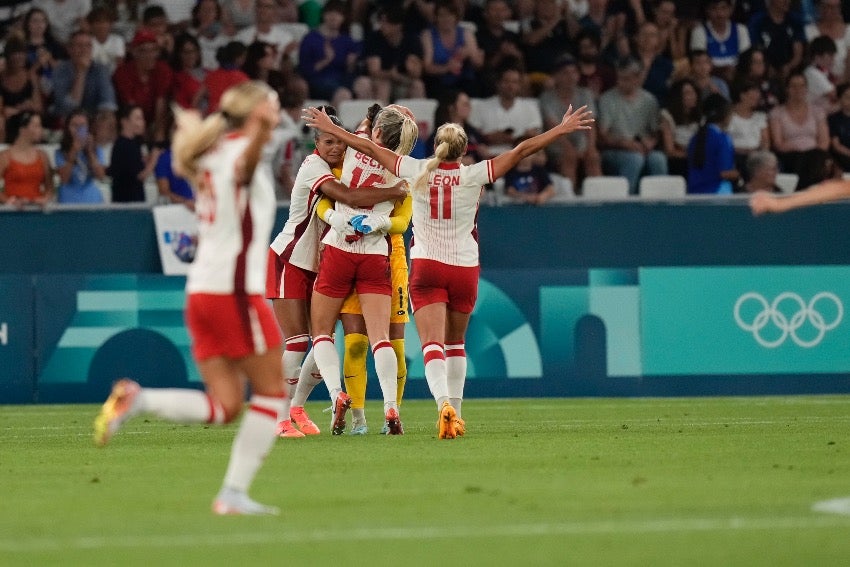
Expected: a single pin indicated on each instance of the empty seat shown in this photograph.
(662, 186)
(603, 187)
(423, 109)
(352, 112)
(787, 182)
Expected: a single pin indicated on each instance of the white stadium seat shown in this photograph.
(662, 186)
(423, 109)
(604, 187)
(787, 182)
(352, 112)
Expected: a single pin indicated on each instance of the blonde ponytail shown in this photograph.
(450, 143)
(398, 131)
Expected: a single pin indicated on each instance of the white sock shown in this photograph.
(180, 405)
(456, 373)
(386, 367)
(293, 355)
(253, 441)
(307, 381)
(435, 372)
(358, 415)
(327, 359)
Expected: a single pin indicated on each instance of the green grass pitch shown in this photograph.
(697, 481)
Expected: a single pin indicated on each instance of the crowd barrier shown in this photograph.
(629, 298)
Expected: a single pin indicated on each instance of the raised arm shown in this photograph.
(579, 119)
(824, 192)
(320, 120)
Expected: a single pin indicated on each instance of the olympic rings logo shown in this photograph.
(788, 326)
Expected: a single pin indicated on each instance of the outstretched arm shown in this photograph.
(579, 119)
(824, 192)
(362, 199)
(319, 119)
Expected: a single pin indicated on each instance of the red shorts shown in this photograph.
(287, 281)
(234, 326)
(435, 282)
(341, 271)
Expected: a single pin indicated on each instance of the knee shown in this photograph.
(232, 409)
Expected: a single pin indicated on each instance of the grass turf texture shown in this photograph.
(708, 481)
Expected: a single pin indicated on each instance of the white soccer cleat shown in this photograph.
(230, 502)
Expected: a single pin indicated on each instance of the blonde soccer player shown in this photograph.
(293, 260)
(444, 249)
(233, 330)
(361, 262)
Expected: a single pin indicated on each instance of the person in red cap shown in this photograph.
(145, 80)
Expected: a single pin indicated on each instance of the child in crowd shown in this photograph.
(128, 166)
(529, 182)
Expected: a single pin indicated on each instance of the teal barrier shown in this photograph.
(621, 299)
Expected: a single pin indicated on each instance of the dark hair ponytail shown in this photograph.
(715, 109)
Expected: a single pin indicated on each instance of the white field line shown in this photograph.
(292, 535)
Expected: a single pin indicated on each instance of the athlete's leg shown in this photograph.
(376, 309)
(397, 340)
(354, 367)
(431, 326)
(293, 318)
(456, 325)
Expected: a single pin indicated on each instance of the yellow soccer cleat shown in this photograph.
(119, 406)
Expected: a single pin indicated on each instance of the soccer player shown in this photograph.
(444, 249)
(361, 263)
(293, 258)
(234, 333)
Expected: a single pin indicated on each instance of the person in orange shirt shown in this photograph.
(25, 169)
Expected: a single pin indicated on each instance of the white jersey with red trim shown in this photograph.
(445, 214)
(359, 173)
(234, 223)
(298, 241)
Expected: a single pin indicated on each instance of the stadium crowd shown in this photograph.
(717, 91)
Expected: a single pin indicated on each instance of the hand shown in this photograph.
(318, 119)
(370, 223)
(339, 222)
(763, 202)
(579, 119)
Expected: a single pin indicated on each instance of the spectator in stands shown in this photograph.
(109, 48)
(577, 150)
(657, 67)
(672, 32)
(128, 166)
(188, 81)
(818, 73)
(327, 58)
(105, 132)
(528, 182)
(25, 168)
(65, 16)
(723, 39)
(20, 89)
(830, 22)
(780, 33)
(594, 73)
(269, 29)
(208, 29)
(178, 13)
(155, 21)
(799, 134)
(628, 128)
(499, 45)
(172, 188)
(680, 118)
(231, 58)
(393, 60)
(450, 53)
(127, 17)
(762, 167)
(839, 129)
(504, 118)
(81, 82)
(546, 41)
(145, 81)
(43, 50)
(601, 22)
(260, 65)
(702, 75)
(748, 125)
(711, 156)
(80, 162)
(455, 107)
(237, 15)
(752, 67)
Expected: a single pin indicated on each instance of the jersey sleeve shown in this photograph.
(479, 173)
(401, 215)
(325, 204)
(406, 167)
(314, 172)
